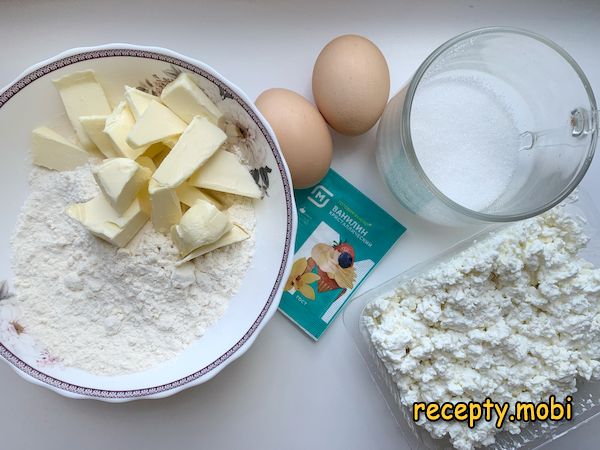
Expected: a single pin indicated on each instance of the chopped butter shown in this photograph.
(156, 124)
(49, 149)
(225, 173)
(138, 101)
(94, 127)
(189, 195)
(171, 141)
(82, 95)
(201, 225)
(157, 149)
(146, 161)
(118, 125)
(121, 179)
(166, 208)
(236, 234)
(187, 100)
(159, 158)
(200, 140)
(99, 217)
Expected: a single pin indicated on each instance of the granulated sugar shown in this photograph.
(465, 139)
(108, 310)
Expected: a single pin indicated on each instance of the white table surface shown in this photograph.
(286, 392)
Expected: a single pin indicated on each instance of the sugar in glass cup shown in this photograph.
(497, 125)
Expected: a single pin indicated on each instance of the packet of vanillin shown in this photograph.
(341, 236)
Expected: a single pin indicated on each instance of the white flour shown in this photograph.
(515, 318)
(107, 310)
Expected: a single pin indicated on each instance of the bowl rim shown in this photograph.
(79, 54)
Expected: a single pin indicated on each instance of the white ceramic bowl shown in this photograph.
(31, 101)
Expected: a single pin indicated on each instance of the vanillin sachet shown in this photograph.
(342, 235)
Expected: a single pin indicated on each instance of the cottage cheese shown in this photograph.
(515, 318)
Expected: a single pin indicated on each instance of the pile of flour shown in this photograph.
(112, 311)
(515, 318)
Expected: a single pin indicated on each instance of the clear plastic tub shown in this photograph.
(586, 402)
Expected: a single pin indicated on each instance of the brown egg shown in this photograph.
(303, 135)
(351, 84)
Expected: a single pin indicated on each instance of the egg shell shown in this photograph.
(351, 84)
(303, 135)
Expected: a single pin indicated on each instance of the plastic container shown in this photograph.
(502, 76)
(586, 402)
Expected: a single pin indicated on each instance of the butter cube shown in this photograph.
(120, 179)
(146, 161)
(94, 127)
(233, 236)
(99, 217)
(82, 95)
(156, 149)
(49, 149)
(138, 101)
(201, 225)
(225, 173)
(156, 124)
(187, 100)
(200, 140)
(224, 199)
(160, 157)
(166, 208)
(189, 195)
(171, 141)
(118, 125)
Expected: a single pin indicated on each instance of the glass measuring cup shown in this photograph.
(497, 125)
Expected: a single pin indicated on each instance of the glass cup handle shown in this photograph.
(582, 122)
